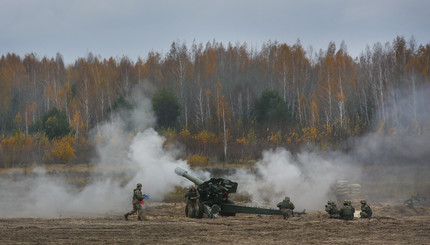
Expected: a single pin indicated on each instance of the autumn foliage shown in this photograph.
(224, 102)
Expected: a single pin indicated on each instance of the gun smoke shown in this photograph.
(125, 159)
(390, 168)
(306, 178)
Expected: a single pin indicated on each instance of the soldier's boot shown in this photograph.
(126, 216)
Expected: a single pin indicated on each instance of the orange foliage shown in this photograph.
(16, 149)
(241, 141)
(197, 159)
(310, 134)
(206, 138)
(185, 134)
(62, 149)
(276, 137)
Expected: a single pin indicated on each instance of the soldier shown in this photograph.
(137, 199)
(286, 207)
(366, 211)
(192, 198)
(332, 210)
(347, 211)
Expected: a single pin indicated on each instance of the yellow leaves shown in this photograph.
(170, 134)
(206, 138)
(185, 134)
(16, 149)
(275, 137)
(62, 150)
(328, 128)
(305, 135)
(241, 140)
(20, 150)
(197, 159)
(18, 139)
(310, 134)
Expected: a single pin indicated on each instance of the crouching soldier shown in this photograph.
(332, 210)
(347, 211)
(366, 211)
(286, 207)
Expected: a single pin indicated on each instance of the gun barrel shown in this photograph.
(182, 172)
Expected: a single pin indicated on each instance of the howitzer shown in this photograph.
(214, 198)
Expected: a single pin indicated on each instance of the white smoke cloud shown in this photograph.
(124, 159)
(395, 165)
(305, 178)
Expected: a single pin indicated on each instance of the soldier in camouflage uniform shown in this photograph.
(192, 198)
(347, 211)
(332, 210)
(137, 199)
(366, 211)
(286, 207)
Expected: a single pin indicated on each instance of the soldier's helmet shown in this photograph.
(287, 198)
(330, 202)
(363, 201)
(139, 185)
(345, 202)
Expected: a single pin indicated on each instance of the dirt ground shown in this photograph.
(165, 224)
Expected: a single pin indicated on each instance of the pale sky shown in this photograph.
(132, 28)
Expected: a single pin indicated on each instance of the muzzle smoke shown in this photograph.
(306, 178)
(125, 159)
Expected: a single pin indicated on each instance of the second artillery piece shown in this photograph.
(214, 198)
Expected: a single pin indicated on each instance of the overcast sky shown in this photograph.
(113, 28)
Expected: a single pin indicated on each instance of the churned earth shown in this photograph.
(165, 224)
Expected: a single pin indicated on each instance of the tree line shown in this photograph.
(222, 102)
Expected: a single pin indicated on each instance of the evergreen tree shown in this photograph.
(272, 109)
(166, 107)
(55, 124)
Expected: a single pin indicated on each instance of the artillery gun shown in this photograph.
(214, 198)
